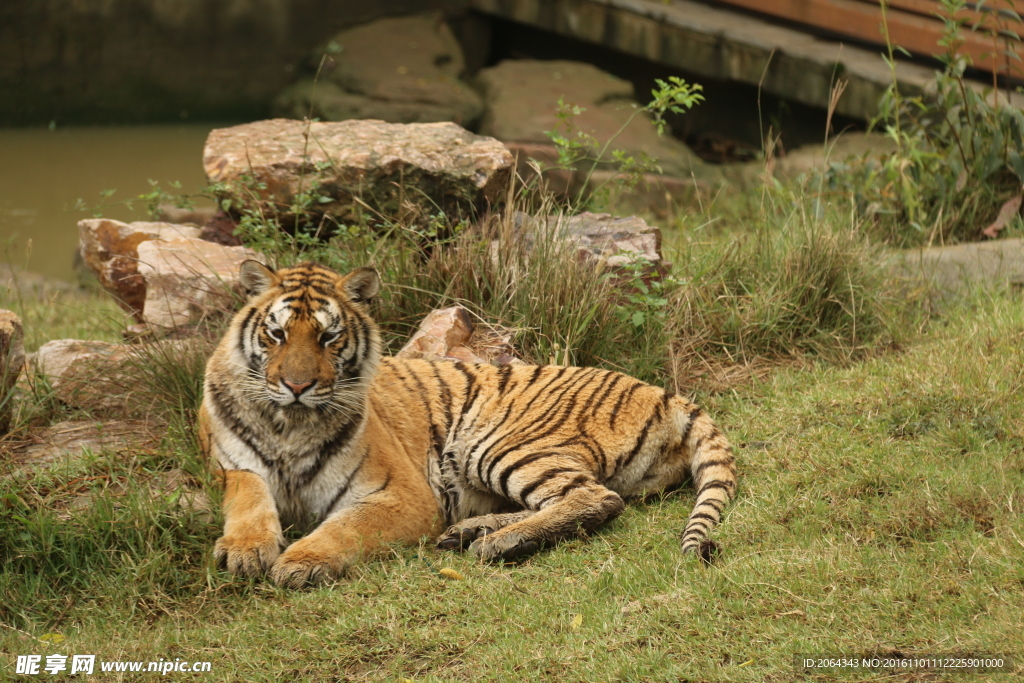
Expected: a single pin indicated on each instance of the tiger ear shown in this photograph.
(256, 277)
(361, 285)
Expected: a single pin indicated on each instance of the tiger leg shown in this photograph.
(572, 507)
(252, 537)
(460, 535)
(399, 511)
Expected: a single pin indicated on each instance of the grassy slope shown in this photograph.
(879, 510)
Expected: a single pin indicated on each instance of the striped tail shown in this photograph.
(713, 470)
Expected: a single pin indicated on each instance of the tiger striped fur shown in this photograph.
(310, 427)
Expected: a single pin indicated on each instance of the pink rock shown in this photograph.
(110, 249)
(187, 279)
(450, 334)
(440, 331)
(12, 359)
(80, 371)
(612, 241)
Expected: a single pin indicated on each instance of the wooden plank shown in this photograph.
(915, 33)
(933, 10)
(926, 8)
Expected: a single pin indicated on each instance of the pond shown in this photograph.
(43, 174)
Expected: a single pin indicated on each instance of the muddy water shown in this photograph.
(43, 173)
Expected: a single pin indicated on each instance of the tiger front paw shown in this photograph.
(248, 554)
(306, 564)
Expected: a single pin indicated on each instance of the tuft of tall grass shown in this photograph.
(167, 377)
(795, 285)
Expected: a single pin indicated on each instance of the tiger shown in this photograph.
(309, 427)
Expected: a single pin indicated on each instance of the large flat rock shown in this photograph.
(393, 168)
(397, 69)
(70, 440)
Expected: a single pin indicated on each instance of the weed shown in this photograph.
(958, 152)
(581, 151)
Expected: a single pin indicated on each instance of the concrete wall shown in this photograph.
(119, 61)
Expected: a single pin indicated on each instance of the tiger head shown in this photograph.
(306, 337)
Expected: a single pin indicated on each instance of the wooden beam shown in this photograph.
(913, 32)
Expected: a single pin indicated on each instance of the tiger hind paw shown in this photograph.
(460, 537)
(504, 547)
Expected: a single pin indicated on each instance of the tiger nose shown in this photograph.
(298, 388)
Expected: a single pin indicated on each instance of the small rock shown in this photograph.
(188, 279)
(101, 376)
(450, 334)
(80, 372)
(816, 158)
(110, 249)
(400, 170)
(69, 440)
(612, 243)
(195, 216)
(12, 360)
(439, 331)
(396, 69)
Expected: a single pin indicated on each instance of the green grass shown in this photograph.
(63, 312)
(881, 471)
(879, 511)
